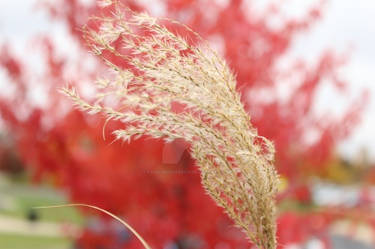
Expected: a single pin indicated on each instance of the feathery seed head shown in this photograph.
(162, 70)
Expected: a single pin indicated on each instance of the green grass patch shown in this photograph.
(25, 196)
(12, 241)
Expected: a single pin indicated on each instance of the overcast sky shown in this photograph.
(346, 24)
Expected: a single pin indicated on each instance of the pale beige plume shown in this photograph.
(236, 164)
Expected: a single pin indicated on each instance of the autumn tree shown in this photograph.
(156, 186)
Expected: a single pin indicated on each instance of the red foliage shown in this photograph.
(164, 201)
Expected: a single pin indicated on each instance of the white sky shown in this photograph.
(346, 24)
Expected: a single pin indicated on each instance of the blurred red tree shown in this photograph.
(154, 186)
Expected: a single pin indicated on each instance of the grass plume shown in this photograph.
(163, 70)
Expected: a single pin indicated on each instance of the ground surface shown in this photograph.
(23, 228)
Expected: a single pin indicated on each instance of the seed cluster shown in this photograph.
(167, 88)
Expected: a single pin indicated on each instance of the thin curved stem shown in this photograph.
(144, 243)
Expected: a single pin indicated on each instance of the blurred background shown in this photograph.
(305, 71)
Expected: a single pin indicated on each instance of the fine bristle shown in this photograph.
(164, 69)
